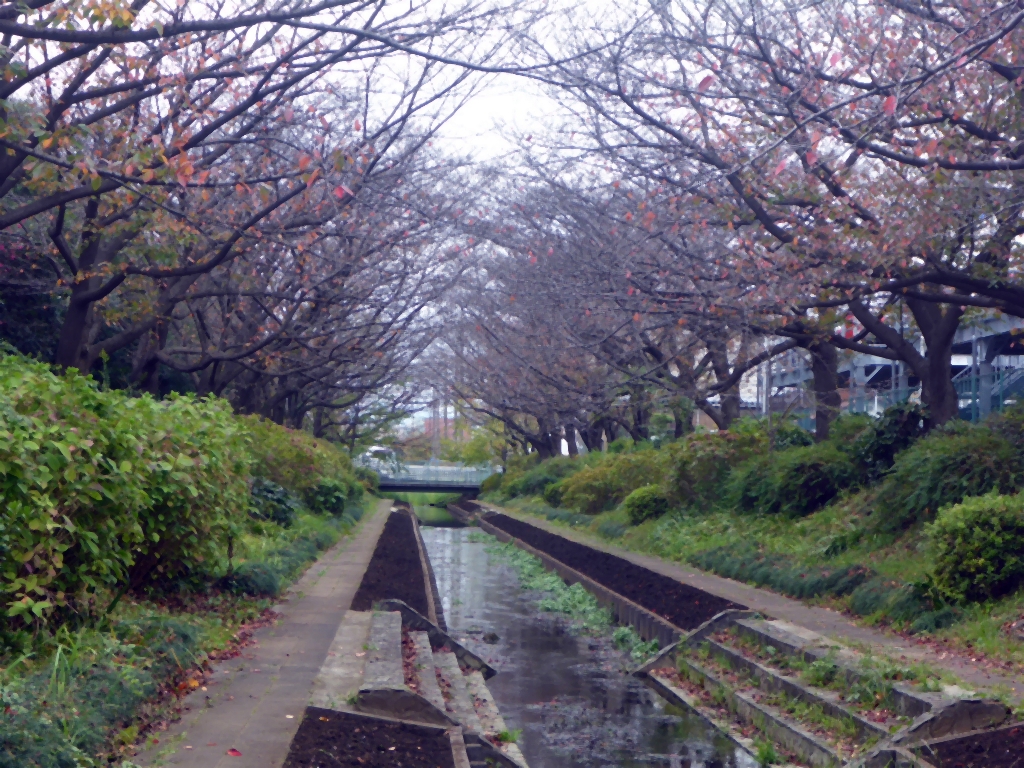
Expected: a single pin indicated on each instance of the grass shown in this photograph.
(830, 539)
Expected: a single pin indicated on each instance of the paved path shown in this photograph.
(248, 702)
(822, 620)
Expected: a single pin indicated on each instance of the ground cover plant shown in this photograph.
(138, 537)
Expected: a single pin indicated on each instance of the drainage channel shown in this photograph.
(569, 694)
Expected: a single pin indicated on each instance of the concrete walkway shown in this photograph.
(821, 620)
(254, 703)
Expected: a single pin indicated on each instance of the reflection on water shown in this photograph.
(568, 694)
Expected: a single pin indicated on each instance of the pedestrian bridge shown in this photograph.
(433, 478)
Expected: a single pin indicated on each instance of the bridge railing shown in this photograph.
(435, 474)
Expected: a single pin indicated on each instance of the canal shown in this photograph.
(569, 693)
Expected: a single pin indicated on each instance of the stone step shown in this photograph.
(383, 690)
(341, 675)
(491, 720)
(790, 640)
(457, 700)
(773, 681)
(429, 689)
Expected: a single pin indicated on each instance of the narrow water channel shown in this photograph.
(569, 694)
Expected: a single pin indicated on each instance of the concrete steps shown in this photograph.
(432, 681)
(816, 703)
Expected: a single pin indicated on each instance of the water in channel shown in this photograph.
(567, 693)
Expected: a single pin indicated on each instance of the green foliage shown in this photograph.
(794, 482)
(645, 503)
(294, 458)
(786, 434)
(61, 714)
(368, 477)
(492, 483)
(606, 484)
(101, 489)
(329, 496)
(876, 447)
(269, 568)
(611, 529)
(627, 639)
(944, 468)
(778, 572)
(575, 602)
(274, 503)
(698, 464)
(536, 480)
(978, 547)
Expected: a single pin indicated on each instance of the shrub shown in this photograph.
(645, 503)
(978, 547)
(492, 483)
(611, 529)
(794, 482)
(369, 479)
(786, 434)
(594, 489)
(264, 577)
(553, 494)
(274, 503)
(294, 458)
(534, 481)
(328, 497)
(944, 468)
(101, 489)
(699, 464)
(876, 447)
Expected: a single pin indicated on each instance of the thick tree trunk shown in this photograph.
(824, 368)
(570, 440)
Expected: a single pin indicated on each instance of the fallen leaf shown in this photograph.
(234, 752)
(324, 719)
(290, 717)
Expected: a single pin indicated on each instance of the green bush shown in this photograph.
(274, 503)
(534, 481)
(369, 479)
(794, 482)
(329, 497)
(698, 465)
(553, 494)
(604, 485)
(101, 489)
(492, 483)
(294, 458)
(790, 435)
(876, 447)
(944, 468)
(978, 547)
(645, 503)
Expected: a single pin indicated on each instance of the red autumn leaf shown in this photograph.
(705, 83)
(304, 162)
(780, 167)
(636, 317)
(341, 190)
(812, 158)
(889, 105)
(234, 752)
(835, 59)
(357, 125)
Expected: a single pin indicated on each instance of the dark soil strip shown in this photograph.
(1001, 748)
(681, 605)
(329, 739)
(394, 572)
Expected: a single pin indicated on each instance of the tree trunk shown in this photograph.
(824, 368)
(570, 440)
